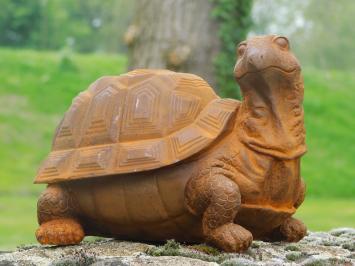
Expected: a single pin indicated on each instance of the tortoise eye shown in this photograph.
(282, 42)
(241, 49)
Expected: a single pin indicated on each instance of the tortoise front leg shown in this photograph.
(56, 216)
(217, 199)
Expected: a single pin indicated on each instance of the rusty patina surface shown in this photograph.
(155, 155)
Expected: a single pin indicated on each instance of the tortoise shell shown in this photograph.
(141, 120)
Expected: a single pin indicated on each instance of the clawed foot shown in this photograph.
(293, 230)
(60, 232)
(231, 238)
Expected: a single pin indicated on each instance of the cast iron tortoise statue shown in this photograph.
(156, 155)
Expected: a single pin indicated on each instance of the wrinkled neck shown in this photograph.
(271, 120)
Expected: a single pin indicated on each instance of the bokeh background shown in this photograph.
(52, 49)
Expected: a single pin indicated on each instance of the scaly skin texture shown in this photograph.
(56, 215)
(217, 199)
(54, 202)
(245, 186)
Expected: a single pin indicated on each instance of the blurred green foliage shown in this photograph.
(328, 166)
(18, 20)
(82, 25)
(329, 37)
(234, 21)
(322, 214)
(95, 25)
(322, 33)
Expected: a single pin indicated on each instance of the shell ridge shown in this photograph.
(194, 119)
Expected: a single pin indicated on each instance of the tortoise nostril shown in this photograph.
(256, 58)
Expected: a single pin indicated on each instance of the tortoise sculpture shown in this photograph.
(156, 155)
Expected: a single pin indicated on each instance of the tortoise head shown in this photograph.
(266, 56)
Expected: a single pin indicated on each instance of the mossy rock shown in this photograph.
(292, 248)
(294, 255)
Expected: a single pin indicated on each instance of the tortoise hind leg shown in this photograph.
(56, 216)
(217, 198)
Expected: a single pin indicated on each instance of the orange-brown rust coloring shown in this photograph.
(155, 155)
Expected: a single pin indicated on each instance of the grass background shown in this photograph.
(37, 87)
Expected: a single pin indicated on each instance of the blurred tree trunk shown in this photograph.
(180, 35)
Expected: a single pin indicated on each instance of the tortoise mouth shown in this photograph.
(280, 69)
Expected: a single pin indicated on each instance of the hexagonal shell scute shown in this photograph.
(142, 120)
